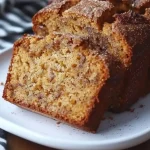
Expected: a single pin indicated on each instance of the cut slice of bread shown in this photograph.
(63, 76)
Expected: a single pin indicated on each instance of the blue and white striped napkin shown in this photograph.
(3, 143)
(15, 20)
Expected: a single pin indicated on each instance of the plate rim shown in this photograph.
(6, 50)
(123, 142)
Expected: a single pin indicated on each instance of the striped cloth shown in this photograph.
(3, 143)
(15, 20)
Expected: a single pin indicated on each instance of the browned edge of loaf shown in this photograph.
(32, 109)
(90, 126)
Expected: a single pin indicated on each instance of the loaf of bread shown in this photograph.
(81, 20)
(87, 56)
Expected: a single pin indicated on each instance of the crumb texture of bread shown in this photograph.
(54, 75)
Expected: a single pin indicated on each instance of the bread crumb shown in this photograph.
(141, 106)
(1, 83)
(58, 122)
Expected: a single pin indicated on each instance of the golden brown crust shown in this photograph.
(43, 113)
(132, 27)
(91, 9)
(57, 6)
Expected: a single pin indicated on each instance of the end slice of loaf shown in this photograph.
(59, 76)
(133, 30)
(74, 18)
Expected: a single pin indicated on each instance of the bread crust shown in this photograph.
(132, 27)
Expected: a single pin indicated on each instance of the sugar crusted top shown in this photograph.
(92, 9)
(133, 27)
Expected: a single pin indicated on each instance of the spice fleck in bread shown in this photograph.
(83, 60)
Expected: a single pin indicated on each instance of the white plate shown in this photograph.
(125, 130)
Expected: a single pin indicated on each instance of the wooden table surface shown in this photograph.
(16, 143)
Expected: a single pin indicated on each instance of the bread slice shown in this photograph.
(65, 77)
(76, 18)
(133, 30)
